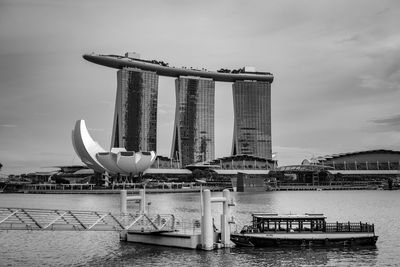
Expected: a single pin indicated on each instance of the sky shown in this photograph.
(336, 66)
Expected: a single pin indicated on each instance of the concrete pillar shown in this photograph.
(225, 228)
(123, 201)
(206, 222)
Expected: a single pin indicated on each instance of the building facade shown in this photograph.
(135, 116)
(252, 119)
(372, 160)
(193, 138)
(370, 166)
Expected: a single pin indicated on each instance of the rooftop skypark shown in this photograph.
(164, 69)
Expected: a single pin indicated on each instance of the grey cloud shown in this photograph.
(383, 11)
(352, 38)
(384, 74)
(389, 125)
(390, 121)
(378, 84)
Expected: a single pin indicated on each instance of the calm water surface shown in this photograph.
(34, 248)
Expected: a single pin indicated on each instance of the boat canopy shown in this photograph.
(281, 217)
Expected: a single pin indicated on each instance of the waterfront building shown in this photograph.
(371, 166)
(135, 116)
(252, 119)
(372, 160)
(380, 159)
(193, 138)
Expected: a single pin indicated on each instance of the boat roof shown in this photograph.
(275, 216)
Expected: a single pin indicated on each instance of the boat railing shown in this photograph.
(349, 227)
(336, 227)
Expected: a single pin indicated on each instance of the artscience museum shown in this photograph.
(115, 162)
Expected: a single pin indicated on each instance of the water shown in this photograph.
(35, 248)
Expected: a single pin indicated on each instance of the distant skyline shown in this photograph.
(336, 67)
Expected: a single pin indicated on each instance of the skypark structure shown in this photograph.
(193, 141)
(163, 69)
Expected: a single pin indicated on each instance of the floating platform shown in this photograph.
(170, 239)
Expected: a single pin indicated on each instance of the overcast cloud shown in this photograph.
(336, 66)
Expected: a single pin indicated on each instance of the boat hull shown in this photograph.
(303, 240)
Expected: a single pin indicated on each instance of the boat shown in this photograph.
(307, 230)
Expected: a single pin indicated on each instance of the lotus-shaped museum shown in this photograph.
(116, 161)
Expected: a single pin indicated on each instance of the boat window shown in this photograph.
(294, 226)
(306, 226)
(283, 226)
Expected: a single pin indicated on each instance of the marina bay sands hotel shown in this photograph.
(135, 117)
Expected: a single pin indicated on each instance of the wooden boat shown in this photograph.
(307, 230)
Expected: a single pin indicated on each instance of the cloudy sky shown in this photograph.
(336, 66)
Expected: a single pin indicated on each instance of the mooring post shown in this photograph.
(207, 234)
(225, 228)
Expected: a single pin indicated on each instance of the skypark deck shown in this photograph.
(163, 69)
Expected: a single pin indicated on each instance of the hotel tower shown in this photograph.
(193, 139)
(252, 119)
(135, 116)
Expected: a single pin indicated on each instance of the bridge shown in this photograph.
(68, 220)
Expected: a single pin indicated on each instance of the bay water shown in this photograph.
(69, 248)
